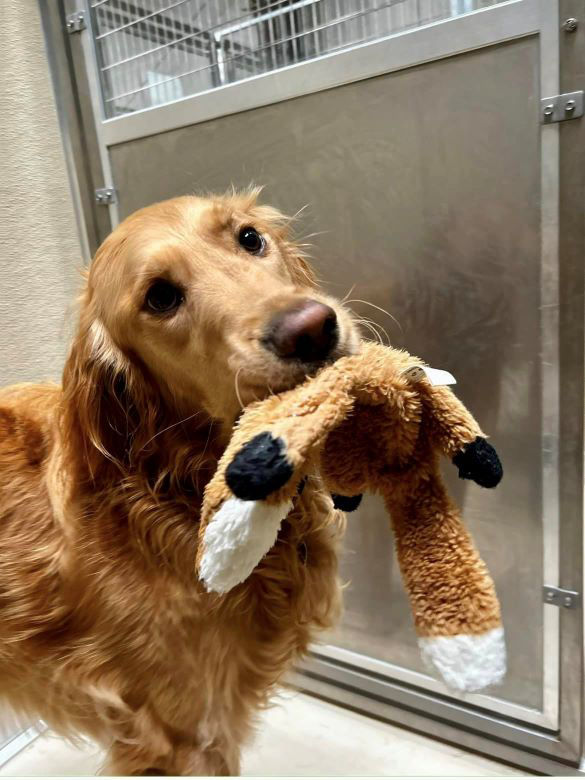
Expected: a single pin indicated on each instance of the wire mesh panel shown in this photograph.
(151, 52)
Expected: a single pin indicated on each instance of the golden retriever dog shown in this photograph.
(191, 309)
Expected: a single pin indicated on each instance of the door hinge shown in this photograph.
(560, 107)
(558, 597)
(75, 22)
(104, 196)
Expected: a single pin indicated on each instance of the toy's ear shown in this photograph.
(238, 526)
(479, 461)
(259, 468)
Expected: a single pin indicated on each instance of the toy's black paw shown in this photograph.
(346, 503)
(479, 461)
(259, 468)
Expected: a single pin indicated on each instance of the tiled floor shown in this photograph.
(300, 736)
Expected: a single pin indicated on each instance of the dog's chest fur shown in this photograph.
(113, 639)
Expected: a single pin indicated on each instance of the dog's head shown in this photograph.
(212, 301)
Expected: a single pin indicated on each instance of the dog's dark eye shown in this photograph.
(163, 297)
(251, 240)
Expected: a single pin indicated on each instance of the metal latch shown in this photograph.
(75, 22)
(105, 195)
(560, 107)
(569, 599)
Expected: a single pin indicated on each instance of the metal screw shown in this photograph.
(570, 24)
(549, 110)
(550, 596)
(70, 23)
(570, 106)
(568, 601)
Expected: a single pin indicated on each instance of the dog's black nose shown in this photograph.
(306, 331)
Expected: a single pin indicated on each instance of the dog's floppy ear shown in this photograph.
(109, 409)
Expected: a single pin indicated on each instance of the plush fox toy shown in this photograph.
(374, 421)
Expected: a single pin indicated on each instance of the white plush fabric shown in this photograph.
(236, 539)
(467, 662)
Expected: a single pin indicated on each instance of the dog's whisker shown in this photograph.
(348, 293)
(236, 387)
(372, 330)
(168, 428)
(314, 235)
(378, 327)
(379, 308)
(299, 212)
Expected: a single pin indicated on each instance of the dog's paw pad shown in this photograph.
(346, 503)
(479, 461)
(259, 468)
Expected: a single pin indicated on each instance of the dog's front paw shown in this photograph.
(479, 461)
(259, 468)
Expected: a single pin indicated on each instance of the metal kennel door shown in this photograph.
(442, 190)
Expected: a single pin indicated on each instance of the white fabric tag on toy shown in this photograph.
(436, 376)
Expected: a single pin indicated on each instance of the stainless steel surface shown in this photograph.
(61, 79)
(559, 108)
(571, 248)
(560, 597)
(149, 56)
(77, 121)
(416, 214)
(550, 361)
(416, 680)
(19, 741)
(405, 49)
(463, 731)
(75, 22)
(104, 196)
(96, 99)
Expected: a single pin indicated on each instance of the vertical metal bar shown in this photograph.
(183, 62)
(338, 27)
(314, 25)
(57, 44)
(294, 41)
(89, 52)
(277, 58)
(388, 19)
(549, 76)
(400, 16)
(255, 52)
(571, 330)
(123, 72)
(120, 83)
(271, 47)
(130, 68)
(360, 22)
(211, 19)
(217, 59)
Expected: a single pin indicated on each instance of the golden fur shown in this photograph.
(104, 628)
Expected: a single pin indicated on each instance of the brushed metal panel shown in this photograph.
(427, 183)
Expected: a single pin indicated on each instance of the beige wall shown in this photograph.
(39, 246)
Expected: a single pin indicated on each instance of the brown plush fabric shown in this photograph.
(363, 425)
